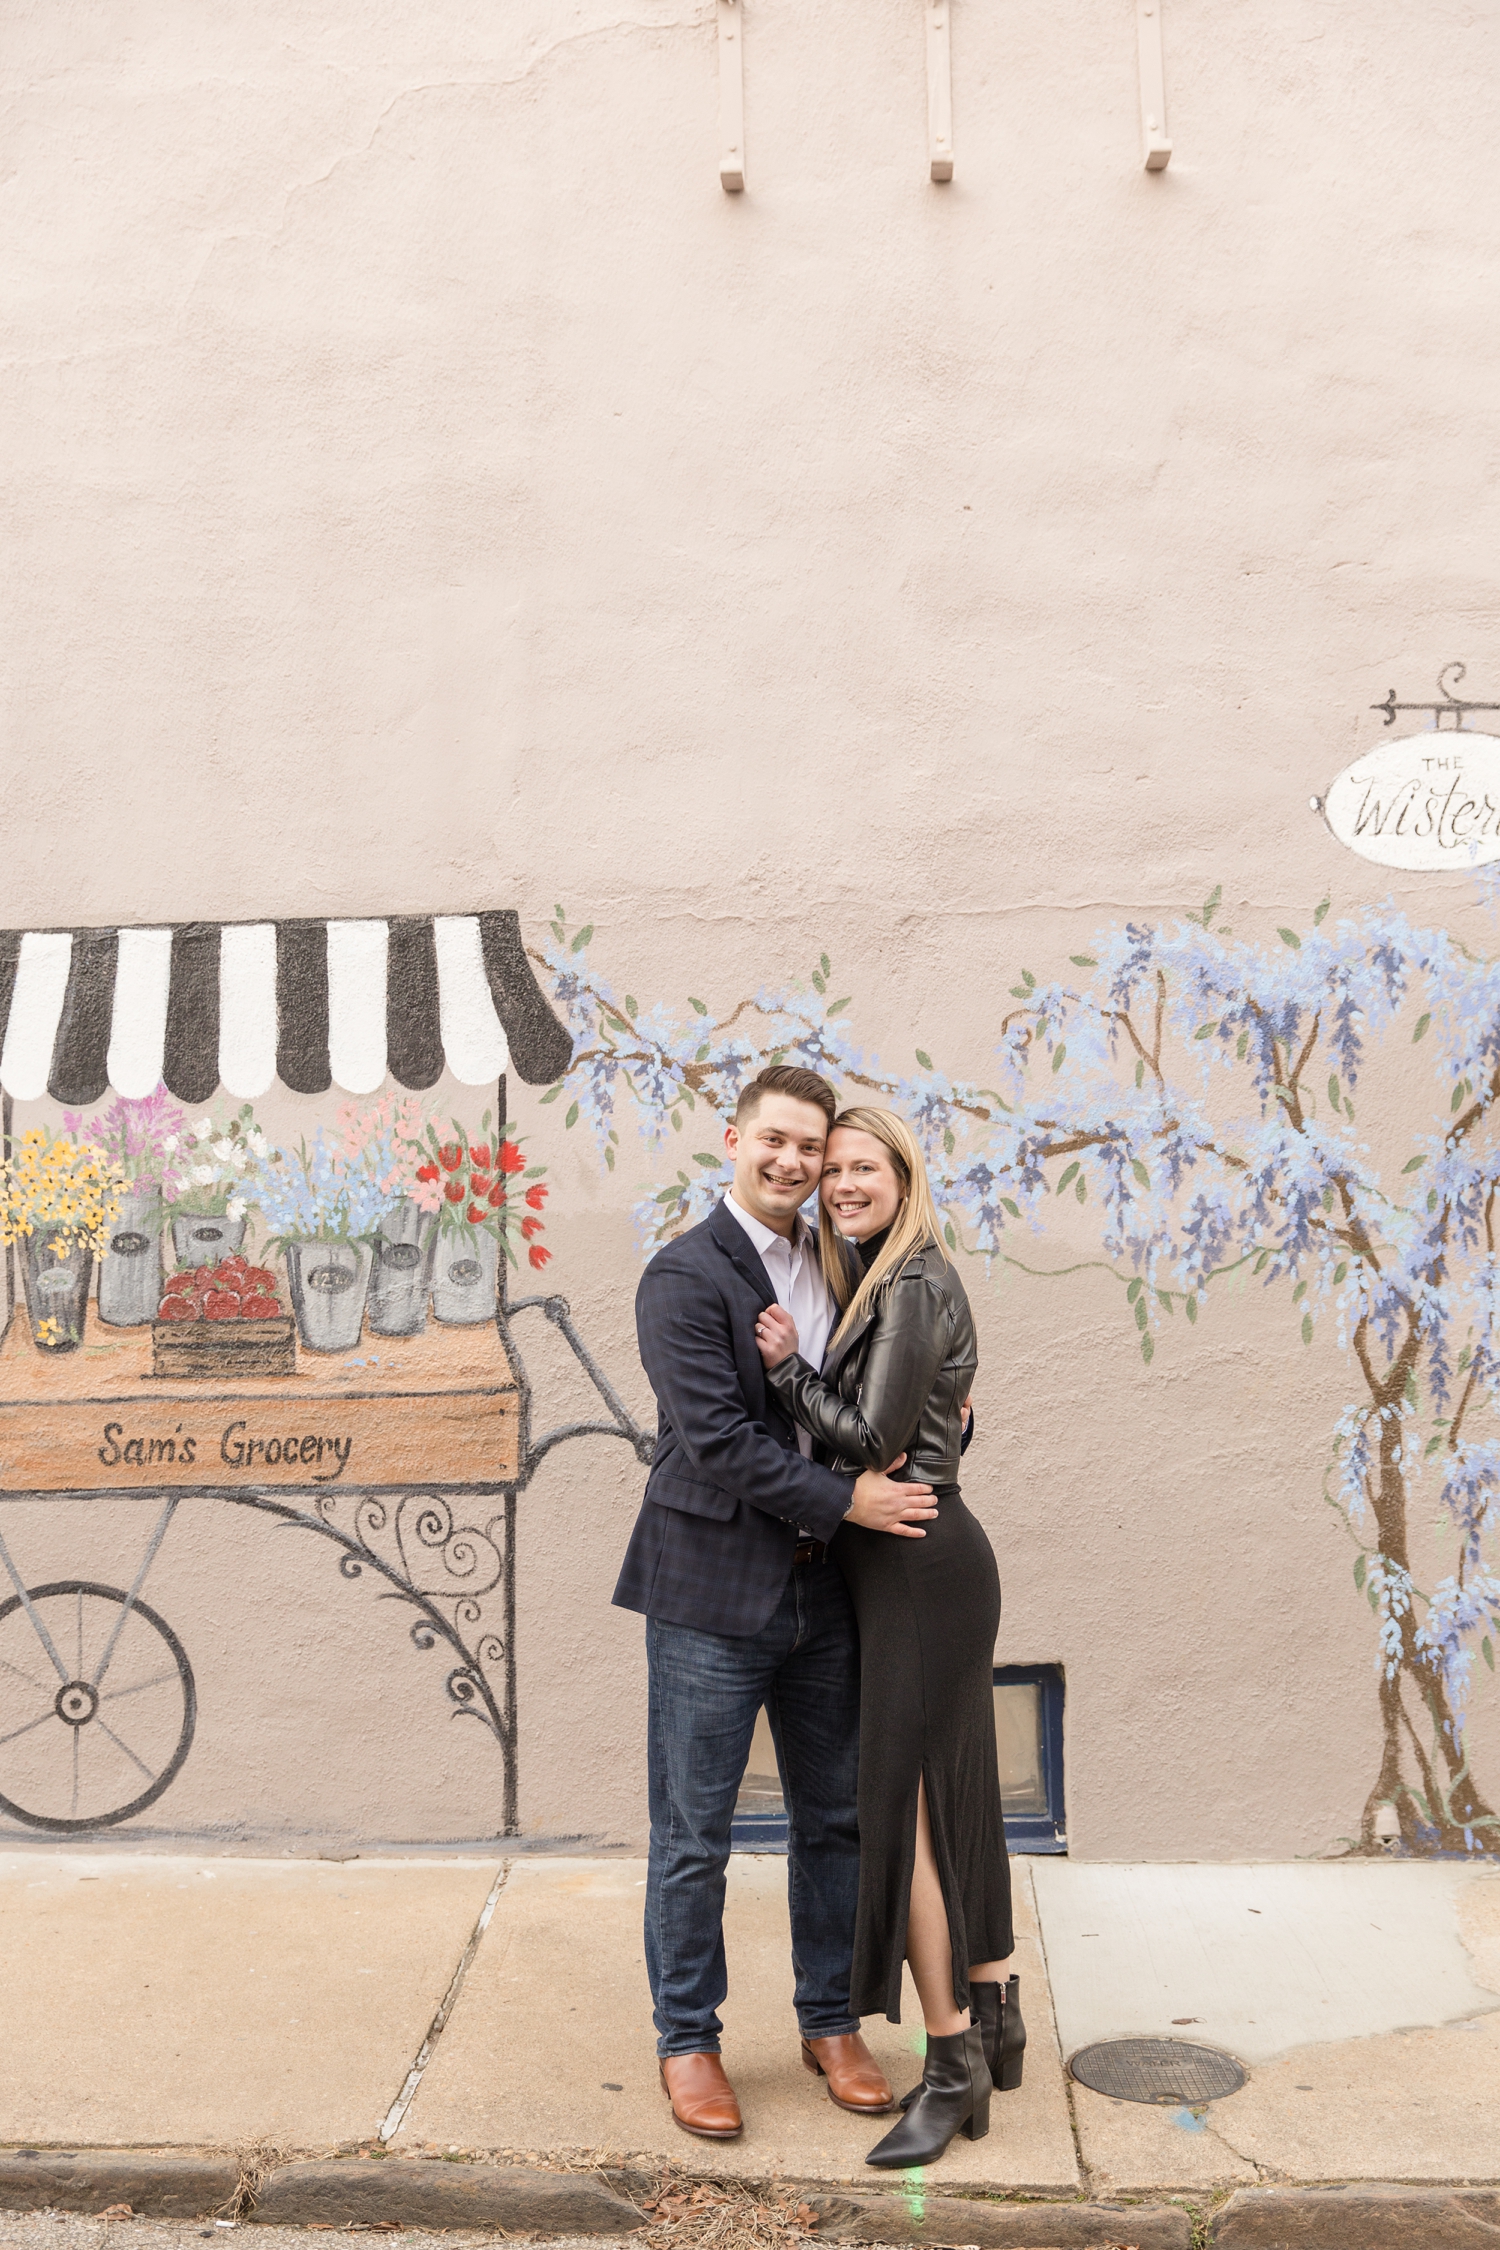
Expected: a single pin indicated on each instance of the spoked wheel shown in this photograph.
(97, 1706)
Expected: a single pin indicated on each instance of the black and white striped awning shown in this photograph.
(240, 1004)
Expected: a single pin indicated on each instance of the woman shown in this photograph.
(934, 1880)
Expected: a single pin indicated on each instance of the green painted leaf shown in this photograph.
(1359, 1572)
(1333, 1092)
(609, 1158)
(550, 1095)
(1211, 904)
(1190, 1307)
(1240, 1045)
(1458, 1097)
(1320, 911)
(1430, 1448)
(1340, 1272)
(677, 1120)
(1134, 1290)
(818, 984)
(1299, 1292)
(1139, 1169)
(1028, 980)
(1164, 1297)
(702, 1054)
(1307, 1328)
(1290, 937)
(1487, 1652)
(583, 937)
(1422, 1023)
(701, 1006)
(1083, 961)
(1013, 1208)
(1415, 1165)
(1140, 1314)
(1148, 1350)
(949, 1236)
(1019, 992)
(1432, 1199)
(1083, 1189)
(668, 1195)
(825, 965)
(948, 1142)
(1140, 1072)
(709, 1163)
(572, 1117)
(924, 1060)
(630, 1006)
(1060, 1056)
(837, 1005)
(1070, 1173)
(1205, 1031)
(618, 1023)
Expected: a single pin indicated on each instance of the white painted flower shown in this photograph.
(169, 1145)
(203, 1130)
(235, 1207)
(204, 1175)
(224, 1151)
(258, 1143)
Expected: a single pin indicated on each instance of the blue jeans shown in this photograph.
(706, 1689)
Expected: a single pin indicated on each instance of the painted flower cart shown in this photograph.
(408, 1459)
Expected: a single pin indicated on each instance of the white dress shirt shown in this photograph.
(794, 1273)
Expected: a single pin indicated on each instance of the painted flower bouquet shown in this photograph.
(322, 1205)
(143, 1140)
(474, 1188)
(216, 1165)
(59, 1198)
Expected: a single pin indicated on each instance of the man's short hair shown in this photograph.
(785, 1078)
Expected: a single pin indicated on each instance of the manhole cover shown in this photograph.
(1157, 2070)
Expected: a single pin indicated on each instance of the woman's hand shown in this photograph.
(775, 1335)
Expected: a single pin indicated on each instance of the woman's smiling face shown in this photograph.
(861, 1191)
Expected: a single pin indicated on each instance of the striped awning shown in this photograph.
(240, 1004)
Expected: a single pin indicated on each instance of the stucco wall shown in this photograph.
(425, 488)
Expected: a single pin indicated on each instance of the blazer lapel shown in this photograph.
(741, 1253)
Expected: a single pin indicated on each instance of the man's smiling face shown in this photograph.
(777, 1159)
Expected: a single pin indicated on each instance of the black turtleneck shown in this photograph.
(870, 1251)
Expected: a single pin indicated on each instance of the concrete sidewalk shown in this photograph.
(215, 2002)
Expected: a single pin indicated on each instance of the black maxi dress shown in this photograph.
(928, 1611)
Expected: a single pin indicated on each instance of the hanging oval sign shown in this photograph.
(1423, 801)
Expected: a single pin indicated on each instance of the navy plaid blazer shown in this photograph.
(712, 1545)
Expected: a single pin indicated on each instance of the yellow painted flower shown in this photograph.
(53, 1181)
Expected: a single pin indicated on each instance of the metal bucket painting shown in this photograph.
(328, 1282)
(401, 1276)
(464, 1279)
(202, 1239)
(130, 1275)
(57, 1290)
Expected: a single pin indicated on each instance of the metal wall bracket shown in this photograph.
(939, 90)
(731, 96)
(1156, 146)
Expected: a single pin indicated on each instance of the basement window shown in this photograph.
(1029, 1742)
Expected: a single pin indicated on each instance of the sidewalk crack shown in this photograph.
(399, 2107)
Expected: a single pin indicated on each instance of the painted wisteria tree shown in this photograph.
(1197, 1091)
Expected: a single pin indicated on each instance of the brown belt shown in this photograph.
(809, 1550)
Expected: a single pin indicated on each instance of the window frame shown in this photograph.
(1033, 1834)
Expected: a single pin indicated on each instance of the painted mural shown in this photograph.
(307, 1311)
(1310, 1109)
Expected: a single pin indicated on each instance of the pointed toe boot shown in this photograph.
(954, 2097)
(997, 2011)
(1009, 2052)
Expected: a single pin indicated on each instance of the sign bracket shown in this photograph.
(1155, 143)
(1449, 702)
(939, 91)
(731, 97)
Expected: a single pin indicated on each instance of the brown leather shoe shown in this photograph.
(701, 2096)
(855, 2079)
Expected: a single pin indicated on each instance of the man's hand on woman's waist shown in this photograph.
(880, 1504)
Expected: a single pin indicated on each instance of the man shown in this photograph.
(728, 1561)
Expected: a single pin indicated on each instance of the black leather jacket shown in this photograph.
(897, 1382)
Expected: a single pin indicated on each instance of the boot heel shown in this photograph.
(1010, 2074)
(810, 2061)
(978, 2123)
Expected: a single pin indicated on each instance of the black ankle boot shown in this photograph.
(997, 2011)
(954, 2096)
(1008, 2054)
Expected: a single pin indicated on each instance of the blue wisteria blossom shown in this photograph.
(1199, 1094)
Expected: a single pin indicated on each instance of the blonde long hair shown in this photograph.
(916, 1225)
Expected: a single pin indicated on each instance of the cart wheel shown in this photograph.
(96, 1697)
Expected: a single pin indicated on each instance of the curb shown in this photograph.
(163, 2187)
(915, 2217)
(353, 2191)
(1373, 2218)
